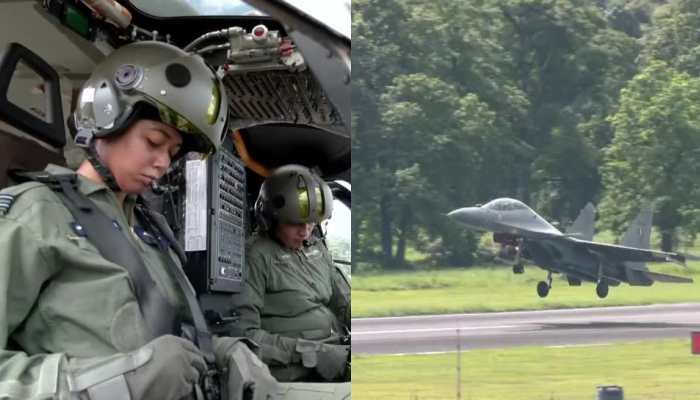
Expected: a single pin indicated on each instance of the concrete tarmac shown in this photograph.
(570, 327)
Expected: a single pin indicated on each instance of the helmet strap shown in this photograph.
(101, 168)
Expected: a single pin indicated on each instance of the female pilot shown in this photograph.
(295, 303)
(73, 323)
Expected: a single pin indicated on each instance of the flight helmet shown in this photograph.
(293, 194)
(158, 80)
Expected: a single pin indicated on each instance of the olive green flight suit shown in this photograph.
(65, 308)
(290, 294)
(60, 300)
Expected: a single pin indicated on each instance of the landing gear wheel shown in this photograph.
(542, 289)
(601, 289)
(518, 269)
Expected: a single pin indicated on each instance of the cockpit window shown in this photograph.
(505, 205)
(334, 14)
(338, 233)
(192, 8)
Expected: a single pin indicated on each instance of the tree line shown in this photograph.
(554, 102)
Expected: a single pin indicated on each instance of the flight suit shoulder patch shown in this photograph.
(6, 201)
(8, 196)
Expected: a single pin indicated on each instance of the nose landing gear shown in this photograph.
(519, 266)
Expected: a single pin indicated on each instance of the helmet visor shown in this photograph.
(305, 209)
(304, 205)
(194, 138)
(176, 120)
(181, 123)
(214, 104)
(320, 205)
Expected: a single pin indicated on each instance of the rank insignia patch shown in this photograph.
(6, 201)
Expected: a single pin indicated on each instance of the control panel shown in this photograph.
(204, 201)
(228, 215)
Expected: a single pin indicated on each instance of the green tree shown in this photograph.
(459, 102)
(655, 155)
(378, 34)
(440, 144)
(400, 141)
(570, 64)
(674, 36)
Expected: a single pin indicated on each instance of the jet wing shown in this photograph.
(624, 253)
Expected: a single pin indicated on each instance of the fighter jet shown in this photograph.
(529, 237)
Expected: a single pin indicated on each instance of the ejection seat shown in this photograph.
(32, 131)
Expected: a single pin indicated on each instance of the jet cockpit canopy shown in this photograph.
(505, 204)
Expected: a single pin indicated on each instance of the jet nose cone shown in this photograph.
(454, 213)
(468, 215)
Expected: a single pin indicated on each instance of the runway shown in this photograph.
(438, 333)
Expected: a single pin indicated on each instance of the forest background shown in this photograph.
(554, 102)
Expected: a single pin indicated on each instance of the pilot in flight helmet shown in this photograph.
(293, 194)
(151, 79)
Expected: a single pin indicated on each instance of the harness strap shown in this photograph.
(203, 337)
(211, 382)
(159, 222)
(113, 244)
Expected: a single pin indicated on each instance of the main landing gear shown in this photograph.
(543, 287)
(601, 289)
(518, 268)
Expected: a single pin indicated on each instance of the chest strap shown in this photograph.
(114, 246)
(202, 335)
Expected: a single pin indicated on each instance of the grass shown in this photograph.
(488, 289)
(651, 370)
